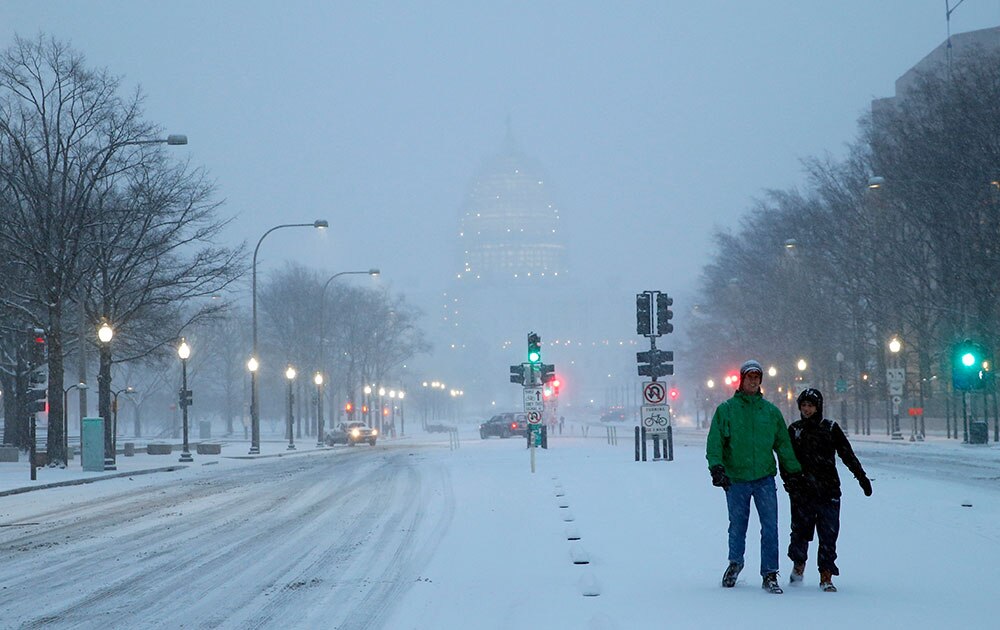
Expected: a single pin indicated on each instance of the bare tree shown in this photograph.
(78, 164)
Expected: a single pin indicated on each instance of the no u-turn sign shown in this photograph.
(654, 393)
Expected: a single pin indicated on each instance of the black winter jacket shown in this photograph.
(815, 441)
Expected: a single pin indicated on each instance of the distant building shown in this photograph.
(937, 61)
(514, 276)
(509, 230)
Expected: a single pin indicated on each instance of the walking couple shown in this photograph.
(746, 433)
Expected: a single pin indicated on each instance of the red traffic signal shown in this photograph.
(36, 347)
(349, 407)
(674, 393)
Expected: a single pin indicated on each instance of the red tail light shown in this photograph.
(513, 425)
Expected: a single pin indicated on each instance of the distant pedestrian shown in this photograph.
(815, 503)
(562, 420)
(745, 434)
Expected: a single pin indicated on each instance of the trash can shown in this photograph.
(204, 430)
(129, 449)
(979, 432)
(92, 445)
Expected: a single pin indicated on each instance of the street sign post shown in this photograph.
(533, 399)
(653, 392)
(656, 418)
(895, 377)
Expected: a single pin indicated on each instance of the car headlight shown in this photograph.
(355, 432)
(374, 432)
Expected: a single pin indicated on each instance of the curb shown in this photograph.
(78, 482)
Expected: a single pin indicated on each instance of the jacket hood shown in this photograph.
(815, 397)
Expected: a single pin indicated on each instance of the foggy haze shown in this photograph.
(655, 122)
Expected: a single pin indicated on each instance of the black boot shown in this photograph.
(770, 584)
(732, 572)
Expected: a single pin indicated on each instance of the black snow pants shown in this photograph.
(820, 515)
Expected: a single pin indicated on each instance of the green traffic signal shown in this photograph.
(970, 366)
(534, 348)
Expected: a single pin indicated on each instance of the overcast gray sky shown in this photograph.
(655, 121)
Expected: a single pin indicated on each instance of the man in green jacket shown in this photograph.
(746, 432)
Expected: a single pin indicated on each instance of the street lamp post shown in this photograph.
(66, 418)
(114, 410)
(895, 387)
(105, 333)
(842, 393)
(392, 420)
(381, 411)
(709, 399)
(254, 403)
(252, 365)
(184, 352)
(366, 405)
(402, 417)
(290, 375)
(322, 305)
(318, 379)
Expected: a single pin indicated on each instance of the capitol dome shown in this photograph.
(509, 226)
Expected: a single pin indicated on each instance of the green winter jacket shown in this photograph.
(746, 432)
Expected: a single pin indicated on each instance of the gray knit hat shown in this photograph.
(751, 366)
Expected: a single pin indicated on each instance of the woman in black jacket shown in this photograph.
(815, 503)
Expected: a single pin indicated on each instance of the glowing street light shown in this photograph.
(184, 352)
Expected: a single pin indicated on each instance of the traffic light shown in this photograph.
(349, 407)
(36, 347)
(185, 397)
(547, 373)
(643, 314)
(534, 348)
(35, 400)
(664, 314)
(968, 366)
(658, 363)
(674, 393)
(37, 378)
(556, 383)
(517, 374)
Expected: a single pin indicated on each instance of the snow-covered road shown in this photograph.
(312, 541)
(414, 534)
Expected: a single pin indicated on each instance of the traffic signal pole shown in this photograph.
(532, 375)
(654, 363)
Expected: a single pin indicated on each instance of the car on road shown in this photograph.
(352, 433)
(504, 425)
(614, 415)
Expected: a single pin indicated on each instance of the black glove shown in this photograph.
(866, 485)
(719, 477)
(795, 483)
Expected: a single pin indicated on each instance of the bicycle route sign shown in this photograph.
(653, 393)
(533, 400)
(656, 418)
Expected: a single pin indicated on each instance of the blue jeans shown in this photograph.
(765, 498)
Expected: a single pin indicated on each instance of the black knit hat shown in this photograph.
(814, 396)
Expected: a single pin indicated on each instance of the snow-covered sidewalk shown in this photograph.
(15, 477)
